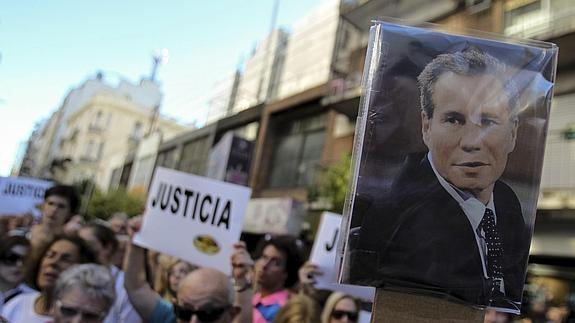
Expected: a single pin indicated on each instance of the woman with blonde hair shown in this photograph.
(171, 271)
(340, 308)
(298, 309)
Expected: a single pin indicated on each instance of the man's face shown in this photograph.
(55, 211)
(79, 306)
(471, 132)
(200, 302)
(270, 269)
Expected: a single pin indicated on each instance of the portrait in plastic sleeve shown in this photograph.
(449, 152)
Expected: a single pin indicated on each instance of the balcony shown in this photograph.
(361, 12)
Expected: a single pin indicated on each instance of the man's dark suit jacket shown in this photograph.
(419, 238)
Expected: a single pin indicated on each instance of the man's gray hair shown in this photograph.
(469, 62)
(94, 280)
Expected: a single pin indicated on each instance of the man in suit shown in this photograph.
(449, 225)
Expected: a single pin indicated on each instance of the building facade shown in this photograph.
(104, 130)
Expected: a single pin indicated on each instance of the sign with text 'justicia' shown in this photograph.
(193, 218)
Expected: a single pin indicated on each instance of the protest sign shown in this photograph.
(323, 255)
(229, 159)
(20, 195)
(364, 317)
(193, 218)
(274, 215)
(447, 163)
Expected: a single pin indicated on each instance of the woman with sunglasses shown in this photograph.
(42, 273)
(83, 293)
(13, 250)
(340, 308)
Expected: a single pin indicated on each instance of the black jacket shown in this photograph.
(419, 238)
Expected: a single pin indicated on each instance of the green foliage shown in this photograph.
(333, 183)
(103, 205)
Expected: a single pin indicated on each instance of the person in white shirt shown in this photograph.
(83, 293)
(42, 274)
(103, 241)
(13, 250)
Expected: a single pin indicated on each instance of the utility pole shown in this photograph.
(159, 57)
(269, 56)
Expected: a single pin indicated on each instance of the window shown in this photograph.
(137, 131)
(297, 152)
(194, 156)
(518, 12)
(97, 123)
(167, 158)
(89, 151)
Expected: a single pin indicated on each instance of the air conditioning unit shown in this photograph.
(477, 6)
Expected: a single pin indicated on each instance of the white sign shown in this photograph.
(20, 195)
(193, 218)
(324, 253)
(364, 317)
(274, 215)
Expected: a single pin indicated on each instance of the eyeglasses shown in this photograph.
(11, 259)
(71, 311)
(204, 315)
(338, 315)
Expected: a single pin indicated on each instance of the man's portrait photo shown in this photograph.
(446, 190)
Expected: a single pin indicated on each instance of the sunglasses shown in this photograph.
(11, 259)
(338, 315)
(204, 315)
(71, 311)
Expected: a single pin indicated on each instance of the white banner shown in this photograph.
(323, 254)
(193, 218)
(20, 195)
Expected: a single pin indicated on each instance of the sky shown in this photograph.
(50, 47)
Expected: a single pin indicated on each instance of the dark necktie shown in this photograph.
(494, 251)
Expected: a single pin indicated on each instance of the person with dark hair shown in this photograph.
(274, 272)
(42, 273)
(449, 225)
(61, 202)
(104, 243)
(83, 293)
(13, 251)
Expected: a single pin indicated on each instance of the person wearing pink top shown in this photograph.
(272, 274)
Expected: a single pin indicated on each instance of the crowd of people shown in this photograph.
(63, 269)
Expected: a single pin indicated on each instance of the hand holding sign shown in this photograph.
(242, 266)
(307, 274)
(134, 225)
(323, 259)
(202, 217)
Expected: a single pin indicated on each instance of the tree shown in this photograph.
(333, 183)
(104, 205)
